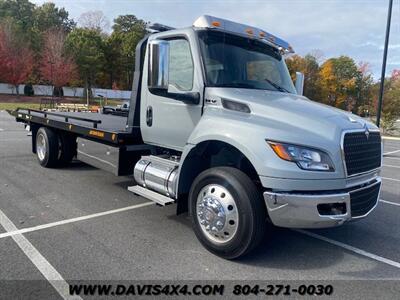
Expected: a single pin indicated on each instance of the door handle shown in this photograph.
(149, 116)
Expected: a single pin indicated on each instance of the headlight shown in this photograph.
(305, 158)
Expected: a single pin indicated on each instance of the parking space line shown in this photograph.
(15, 140)
(393, 138)
(350, 248)
(396, 147)
(392, 179)
(395, 158)
(47, 270)
(1, 129)
(391, 166)
(389, 202)
(73, 220)
(391, 152)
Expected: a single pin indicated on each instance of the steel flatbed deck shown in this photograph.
(103, 128)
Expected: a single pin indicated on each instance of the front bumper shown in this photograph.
(302, 210)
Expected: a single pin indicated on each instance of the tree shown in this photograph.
(295, 63)
(16, 59)
(56, 66)
(94, 20)
(128, 24)
(328, 83)
(338, 82)
(128, 30)
(391, 102)
(363, 86)
(19, 10)
(318, 55)
(396, 74)
(310, 68)
(311, 86)
(391, 107)
(86, 47)
(113, 67)
(33, 21)
(49, 16)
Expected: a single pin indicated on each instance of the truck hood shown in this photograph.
(289, 113)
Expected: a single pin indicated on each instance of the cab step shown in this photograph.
(153, 196)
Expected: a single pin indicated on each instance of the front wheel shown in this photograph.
(228, 212)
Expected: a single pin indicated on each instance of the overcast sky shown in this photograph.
(335, 27)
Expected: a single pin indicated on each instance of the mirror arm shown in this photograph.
(188, 97)
(299, 84)
(185, 97)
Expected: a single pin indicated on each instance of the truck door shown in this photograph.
(166, 120)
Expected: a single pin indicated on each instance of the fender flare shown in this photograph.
(185, 178)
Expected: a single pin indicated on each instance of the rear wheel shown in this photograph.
(228, 213)
(67, 144)
(47, 147)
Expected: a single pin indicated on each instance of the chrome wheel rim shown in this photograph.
(217, 213)
(41, 146)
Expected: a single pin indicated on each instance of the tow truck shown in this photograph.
(217, 126)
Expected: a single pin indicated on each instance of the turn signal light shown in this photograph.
(280, 151)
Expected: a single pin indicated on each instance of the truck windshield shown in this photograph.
(240, 62)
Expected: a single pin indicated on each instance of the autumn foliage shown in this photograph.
(343, 83)
(16, 60)
(56, 66)
(41, 44)
(396, 75)
(338, 81)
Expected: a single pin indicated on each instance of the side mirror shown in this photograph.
(158, 65)
(299, 83)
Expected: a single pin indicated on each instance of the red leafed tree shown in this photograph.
(16, 59)
(56, 66)
(396, 74)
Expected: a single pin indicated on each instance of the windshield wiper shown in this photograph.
(278, 87)
(236, 85)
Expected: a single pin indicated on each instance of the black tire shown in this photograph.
(68, 149)
(47, 140)
(250, 206)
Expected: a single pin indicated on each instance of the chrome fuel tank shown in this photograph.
(158, 174)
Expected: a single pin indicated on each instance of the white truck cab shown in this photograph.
(222, 131)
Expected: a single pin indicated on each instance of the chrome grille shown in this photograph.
(362, 152)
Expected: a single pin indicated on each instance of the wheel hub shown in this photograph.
(217, 213)
(211, 214)
(41, 146)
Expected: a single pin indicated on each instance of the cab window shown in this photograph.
(180, 65)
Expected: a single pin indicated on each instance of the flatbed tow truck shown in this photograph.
(216, 125)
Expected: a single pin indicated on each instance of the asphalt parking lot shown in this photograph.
(81, 223)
